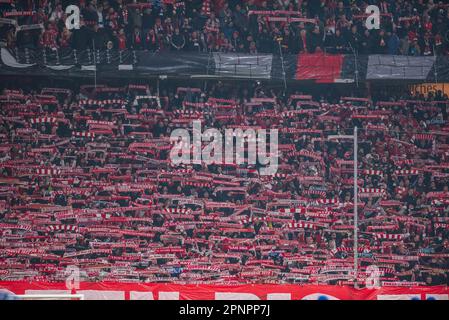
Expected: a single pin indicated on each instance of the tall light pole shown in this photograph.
(282, 64)
(95, 63)
(356, 193)
(435, 69)
(356, 215)
(356, 65)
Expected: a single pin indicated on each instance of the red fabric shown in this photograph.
(49, 38)
(320, 67)
(219, 5)
(114, 290)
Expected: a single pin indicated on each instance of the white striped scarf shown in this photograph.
(379, 236)
(83, 134)
(62, 227)
(341, 162)
(383, 227)
(69, 190)
(292, 210)
(48, 172)
(188, 112)
(304, 179)
(310, 154)
(103, 215)
(371, 192)
(250, 220)
(24, 251)
(179, 125)
(402, 162)
(281, 175)
(347, 249)
(289, 114)
(101, 102)
(197, 184)
(376, 127)
(422, 136)
(301, 225)
(406, 172)
(373, 172)
(438, 194)
(440, 202)
(65, 215)
(14, 226)
(44, 120)
(177, 210)
(328, 201)
(205, 8)
(401, 283)
(193, 104)
(390, 203)
(137, 87)
(315, 192)
(300, 97)
(215, 101)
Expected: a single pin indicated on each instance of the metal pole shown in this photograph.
(356, 65)
(435, 69)
(356, 69)
(95, 64)
(283, 68)
(356, 192)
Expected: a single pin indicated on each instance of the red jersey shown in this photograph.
(122, 42)
(49, 38)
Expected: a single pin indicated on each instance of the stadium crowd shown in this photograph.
(86, 180)
(413, 28)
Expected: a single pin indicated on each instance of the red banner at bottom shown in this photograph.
(133, 291)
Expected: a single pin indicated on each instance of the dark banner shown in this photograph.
(391, 67)
(319, 68)
(440, 70)
(181, 64)
(354, 67)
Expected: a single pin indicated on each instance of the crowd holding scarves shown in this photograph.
(251, 26)
(86, 180)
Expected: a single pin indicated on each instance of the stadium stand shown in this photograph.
(415, 28)
(85, 180)
(87, 183)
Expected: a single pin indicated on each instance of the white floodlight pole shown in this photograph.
(356, 193)
(435, 69)
(356, 217)
(95, 64)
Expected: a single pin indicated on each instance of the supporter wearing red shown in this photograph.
(49, 37)
(86, 180)
(422, 27)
